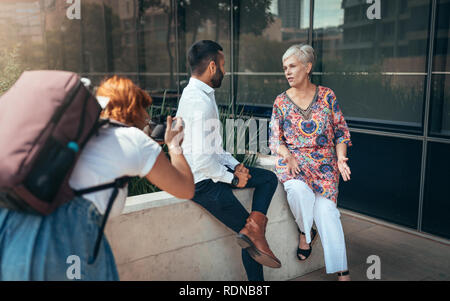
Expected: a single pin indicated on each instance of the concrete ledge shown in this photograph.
(160, 237)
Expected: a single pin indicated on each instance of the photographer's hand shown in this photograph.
(174, 176)
(174, 134)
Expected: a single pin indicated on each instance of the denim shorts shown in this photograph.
(56, 247)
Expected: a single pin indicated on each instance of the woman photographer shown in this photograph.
(34, 247)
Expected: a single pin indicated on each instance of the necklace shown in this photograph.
(306, 113)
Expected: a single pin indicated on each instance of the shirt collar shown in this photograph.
(201, 85)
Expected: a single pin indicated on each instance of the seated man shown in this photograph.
(215, 171)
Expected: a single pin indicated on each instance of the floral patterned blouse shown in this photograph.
(312, 142)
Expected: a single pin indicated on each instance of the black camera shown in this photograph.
(157, 127)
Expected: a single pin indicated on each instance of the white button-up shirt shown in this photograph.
(202, 144)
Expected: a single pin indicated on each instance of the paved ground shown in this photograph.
(403, 256)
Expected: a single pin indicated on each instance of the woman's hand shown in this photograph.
(292, 165)
(174, 176)
(344, 169)
(174, 135)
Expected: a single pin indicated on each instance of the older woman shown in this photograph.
(310, 137)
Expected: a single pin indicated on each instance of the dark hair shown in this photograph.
(201, 54)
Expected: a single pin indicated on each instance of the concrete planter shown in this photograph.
(160, 237)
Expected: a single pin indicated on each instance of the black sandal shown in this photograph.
(304, 252)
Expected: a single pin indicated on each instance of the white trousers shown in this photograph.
(307, 206)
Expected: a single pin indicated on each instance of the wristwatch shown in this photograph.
(235, 181)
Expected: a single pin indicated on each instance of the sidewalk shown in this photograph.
(403, 256)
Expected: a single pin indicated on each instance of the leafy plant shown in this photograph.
(247, 158)
(10, 68)
(139, 186)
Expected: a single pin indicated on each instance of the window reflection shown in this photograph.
(205, 20)
(440, 106)
(395, 43)
(134, 38)
(440, 93)
(441, 59)
(265, 30)
(376, 67)
(22, 34)
(156, 45)
(375, 101)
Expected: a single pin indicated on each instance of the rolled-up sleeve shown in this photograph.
(276, 136)
(340, 128)
(208, 165)
(227, 159)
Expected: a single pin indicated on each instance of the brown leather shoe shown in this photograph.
(252, 237)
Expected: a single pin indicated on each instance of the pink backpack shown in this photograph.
(46, 119)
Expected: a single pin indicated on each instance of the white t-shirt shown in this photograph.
(114, 153)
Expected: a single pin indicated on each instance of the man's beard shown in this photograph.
(216, 81)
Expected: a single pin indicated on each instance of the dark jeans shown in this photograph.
(220, 201)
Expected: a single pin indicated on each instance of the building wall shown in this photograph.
(391, 75)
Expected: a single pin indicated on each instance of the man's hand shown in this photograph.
(243, 174)
(241, 168)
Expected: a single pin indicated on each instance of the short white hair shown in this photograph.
(304, 52)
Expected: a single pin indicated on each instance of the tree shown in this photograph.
(253, 15)
(196, 12)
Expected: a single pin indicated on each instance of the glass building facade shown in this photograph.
(391, 75)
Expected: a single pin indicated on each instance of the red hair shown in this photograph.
(127, 102)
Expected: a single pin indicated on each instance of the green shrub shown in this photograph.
(10, 68)
(139, 186)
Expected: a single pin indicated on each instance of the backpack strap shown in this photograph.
(117, 184)
(101, 123)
